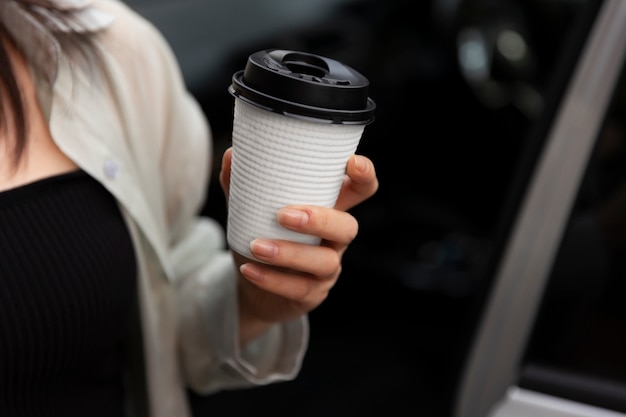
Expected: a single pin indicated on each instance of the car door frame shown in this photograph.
(488, 382)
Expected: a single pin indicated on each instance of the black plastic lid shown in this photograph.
(304, 85)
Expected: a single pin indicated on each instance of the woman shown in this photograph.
(115, 296)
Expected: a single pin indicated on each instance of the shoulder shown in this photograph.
(133, 40)
(140, 63)
(127, 21)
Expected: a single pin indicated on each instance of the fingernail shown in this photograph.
(361, 163)
(251, 272)
(294, 218)
(263, 248)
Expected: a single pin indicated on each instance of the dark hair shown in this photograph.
(72, 43)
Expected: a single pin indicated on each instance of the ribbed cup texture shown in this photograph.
(279, 161)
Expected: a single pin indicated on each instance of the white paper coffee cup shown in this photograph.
(297, 120)
(280, 161)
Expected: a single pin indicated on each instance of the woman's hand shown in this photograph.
(295, 278)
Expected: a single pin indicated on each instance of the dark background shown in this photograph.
(452, 151)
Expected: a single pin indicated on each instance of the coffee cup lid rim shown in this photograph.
(241, 90)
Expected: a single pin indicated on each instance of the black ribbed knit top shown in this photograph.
(67, 284)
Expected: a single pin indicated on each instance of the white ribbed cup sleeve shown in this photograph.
(278, 161)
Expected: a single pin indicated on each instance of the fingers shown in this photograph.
(360, 184)
(315, 271)
(302, 273)
(296, 287)
(224, 177)
(318, 261)
(279, 293)
(329, 224)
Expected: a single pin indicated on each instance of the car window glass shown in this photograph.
(578, 344)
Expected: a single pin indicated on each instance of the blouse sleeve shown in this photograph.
(204, 272)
